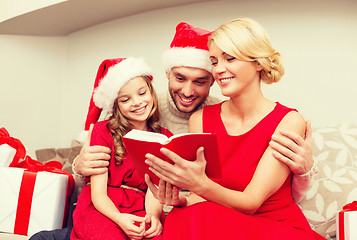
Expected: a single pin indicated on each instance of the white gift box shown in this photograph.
(348, 230)
(7, 154)
(48, 200)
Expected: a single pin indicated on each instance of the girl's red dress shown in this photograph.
(88, 223)
(278, 218)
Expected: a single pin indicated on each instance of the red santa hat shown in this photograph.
(188, 48)
(112, 75)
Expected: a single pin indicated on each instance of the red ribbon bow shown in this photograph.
(51, 166)
(350, 206)
(341, 219)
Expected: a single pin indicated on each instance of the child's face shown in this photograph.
(136, 102)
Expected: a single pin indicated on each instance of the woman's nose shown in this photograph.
(219, 68)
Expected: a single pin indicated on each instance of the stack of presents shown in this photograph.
(34, 196)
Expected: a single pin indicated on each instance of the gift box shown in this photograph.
(11, 149)
(32, 201)
(7, 154)
(34, 196)
(346, 222)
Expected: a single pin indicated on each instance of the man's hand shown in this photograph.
(294, 151)
(92, 160)
(184, 174)
(166, 193)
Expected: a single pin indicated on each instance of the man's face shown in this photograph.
(189, 87)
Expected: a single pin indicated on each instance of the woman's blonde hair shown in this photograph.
(246, 40)
(119, 125)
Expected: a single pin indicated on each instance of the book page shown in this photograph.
(185, 134)
(146, 136)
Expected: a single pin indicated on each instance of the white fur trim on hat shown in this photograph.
(186, 57)
(117, 76)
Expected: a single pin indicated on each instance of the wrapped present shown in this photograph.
(34, 197)
(346, 222)
(7, 154)
(11, 149)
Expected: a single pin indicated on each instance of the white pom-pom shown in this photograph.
(82, 136)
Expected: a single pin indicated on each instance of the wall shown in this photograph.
(317, 39)
(31, 89)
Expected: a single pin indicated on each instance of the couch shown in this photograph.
(335, 152)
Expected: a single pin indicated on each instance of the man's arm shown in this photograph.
(294, 151)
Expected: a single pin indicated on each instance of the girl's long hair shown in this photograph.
(119, 125)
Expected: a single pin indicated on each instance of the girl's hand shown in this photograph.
(183, 173)
(166, 193)
(129, 224)
(155, 226)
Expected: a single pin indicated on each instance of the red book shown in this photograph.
(138, 143)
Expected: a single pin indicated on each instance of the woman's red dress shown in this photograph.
(278, 218)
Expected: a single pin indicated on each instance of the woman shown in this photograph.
(253, 198)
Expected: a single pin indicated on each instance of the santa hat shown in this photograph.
(188, 48)
(112, 75)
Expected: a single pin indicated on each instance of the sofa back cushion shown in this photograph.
(335, 151)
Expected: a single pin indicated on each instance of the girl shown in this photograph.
(114, 205)
(253, 198)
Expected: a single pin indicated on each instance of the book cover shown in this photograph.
(138, 143)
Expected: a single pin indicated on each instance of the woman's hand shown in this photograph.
(183, 173)
(133, 226)
(166, 193)
(155, 226)
(294, 151)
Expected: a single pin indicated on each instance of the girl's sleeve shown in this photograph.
(100, 135)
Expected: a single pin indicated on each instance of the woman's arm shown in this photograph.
(296, 152)
(264, 183)
(190, 175)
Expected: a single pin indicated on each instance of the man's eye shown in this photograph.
(200, 82)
